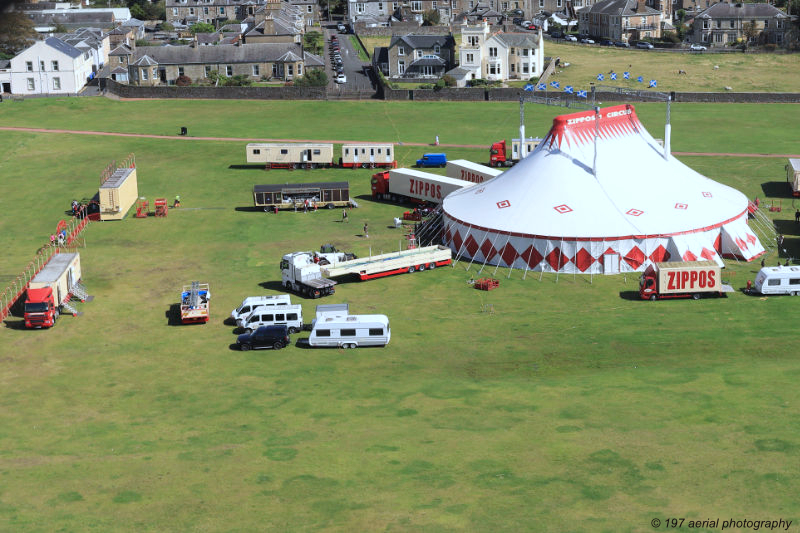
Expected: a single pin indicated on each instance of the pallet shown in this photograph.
(486, 284)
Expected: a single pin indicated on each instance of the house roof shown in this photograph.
(119, 70)
(519, 40)
(423, 41)
(119, 30)
(121, 50)
(458, 73)
(725, 10)
(134, 22)
(245, 53)
(312, 60)
(5, 63)
(63, 47)
(624, 8)
(428, 61)
(145, 61)
(381, 54)
(207, 38)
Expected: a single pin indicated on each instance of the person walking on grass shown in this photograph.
(344, 215)
(366, 230)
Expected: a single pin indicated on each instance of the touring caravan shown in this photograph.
(778, 280)
(331, 330)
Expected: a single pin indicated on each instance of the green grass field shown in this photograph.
(570, 407)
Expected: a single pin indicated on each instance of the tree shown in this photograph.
(202, 27)
(430, 17)
(313, 78)
(183, 81)
(240, 80)
(681, 14)
(60, 28)
(166, 26)
(16, 33)
(750, 32)
(312, 42)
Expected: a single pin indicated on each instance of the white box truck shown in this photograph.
(680, 279)
(406, 184)
(461, 169)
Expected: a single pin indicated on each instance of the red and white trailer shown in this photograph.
(367, 155)
(405, 184)
(461, 169)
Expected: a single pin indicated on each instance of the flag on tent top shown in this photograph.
(600, 77)
(653, 83)
(613, 75)
(541, 87)
(626, 75)
(569, 90)
(555, 84)
(528, 87)
(582, 94)
(640, 79)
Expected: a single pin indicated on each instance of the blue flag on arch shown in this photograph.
(626, 75)
(600, 77)
(541, 87)
(653, 83)
(569, 90)
(555, 84)
(613, 75)
(582, 94)
(528, 87)
(640, 79)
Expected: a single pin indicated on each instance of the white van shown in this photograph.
(778, 280)
(251, 302)
(290, 316)
(351, 331)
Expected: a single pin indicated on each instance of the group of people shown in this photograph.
(58, 238)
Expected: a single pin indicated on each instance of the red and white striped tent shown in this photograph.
(599, 195)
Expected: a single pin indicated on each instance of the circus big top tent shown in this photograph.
(599, 195)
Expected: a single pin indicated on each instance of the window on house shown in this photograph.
(705, 25)
(222, 11)
(766, 24)
(191, 11)
(208, 71)
(471, 4)
(718, 23)
(473, 40)
(121, 59)
(454, 4)
(492, 68)
(525, 51)
(433, 5)
(559, 3)
(524, 68)
(229, 70)
(299, 69)
(56, 84)
(290, 70)
(718, 37)
(55, 65)
(380, 7)
(470, 58)
(255, 70)
(205, 10)
(309, 9)
(174, 11)
(418, 54)
(275, 70)
(733, 23)
(284, 151)
(361, 8)
(437, 49)
(416, 6)
(644, 21)
(779, 24)
(401, 51)
(541, 3)
(512, 51)
(512, 68)
(180, 71)
(41, 65)
(492, 52)
(31, 85)
(401, 67)
(505, 6)
(144, 74)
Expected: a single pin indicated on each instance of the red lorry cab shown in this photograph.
(497, 154)
(40, 308)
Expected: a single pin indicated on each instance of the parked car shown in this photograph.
(557, 34)
(340, 78)
(341, 28)
(525, 23)
(698, 47)
(571, 38)
(587, 40)
(275, 337)
(532, 26)
(517, 20)
(606, 42)
(643, 45)
(622, 44)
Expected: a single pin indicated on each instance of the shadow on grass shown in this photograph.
(173, 315)
(250, 209)
(776, 189)
(15, 324)
(630, 295)
(787, 227)
(273, 286)
(246, 167)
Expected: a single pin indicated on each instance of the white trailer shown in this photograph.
(461, 169)
(409, 184)
(793, 175)
(367, 155)
(378, 266)
(291, 155)
(530, 145)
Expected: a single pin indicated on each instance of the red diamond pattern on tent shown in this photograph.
(509, 254)
(681, 206)
(740, 243)
(659, 254)
(532, 256)
(583, 260)
(708, 254)
(634, 212)
(503, 204)
(471, 245)
(488, 250)
(447, 235)
(751, 239)
(707, 194)
(556, 259)
(718, 242)
(563, 208)
(635, 257)
(457, 242)
(689, 256)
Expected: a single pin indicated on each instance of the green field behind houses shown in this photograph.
(554, 403)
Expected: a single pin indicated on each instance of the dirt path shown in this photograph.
(336, 141)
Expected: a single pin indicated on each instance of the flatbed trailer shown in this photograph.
(378, 266)
(194, 303)
(294, 195)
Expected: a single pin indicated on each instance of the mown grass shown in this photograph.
(570, 407)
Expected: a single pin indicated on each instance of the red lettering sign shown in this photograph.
(692, 279)
(671, 283)
(702, 279)
(684, 279)
(711, 281)
(411, 186)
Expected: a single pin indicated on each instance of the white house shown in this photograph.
(498, 56)
(50, 67)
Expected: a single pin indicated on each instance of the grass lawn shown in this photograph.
(549, 404)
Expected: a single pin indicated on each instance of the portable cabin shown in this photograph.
(118, 193)
(290, 195)
(367, 156)
(530, 145)
(291, 155)
(352, 331)
(793, 175)
(61, 273)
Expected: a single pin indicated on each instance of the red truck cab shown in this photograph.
(380, 184)
(497, 154)
(40, 308)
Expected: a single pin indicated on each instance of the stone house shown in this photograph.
(621, 20)
(420, 56)
(724, 23)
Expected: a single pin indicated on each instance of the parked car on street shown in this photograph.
(587, 40)
(557, 34)
(275, 337)
(606, 42)
(525, 23)
(643, 45)
(340, 78)
(571, 38)
(622, 44)
(341, 28)
(697, 47)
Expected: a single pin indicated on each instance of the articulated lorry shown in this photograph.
(688, 279)
(408, 185)
(499, 158)
(51, 289)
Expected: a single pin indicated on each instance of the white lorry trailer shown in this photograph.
(461, 169)
(406, 184)
(378, 266)
(301, 274)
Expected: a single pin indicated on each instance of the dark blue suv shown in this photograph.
(275, 337)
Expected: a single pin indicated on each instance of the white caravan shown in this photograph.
(290, 316)
(778, 280)
(251, 302)
(331, 330)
